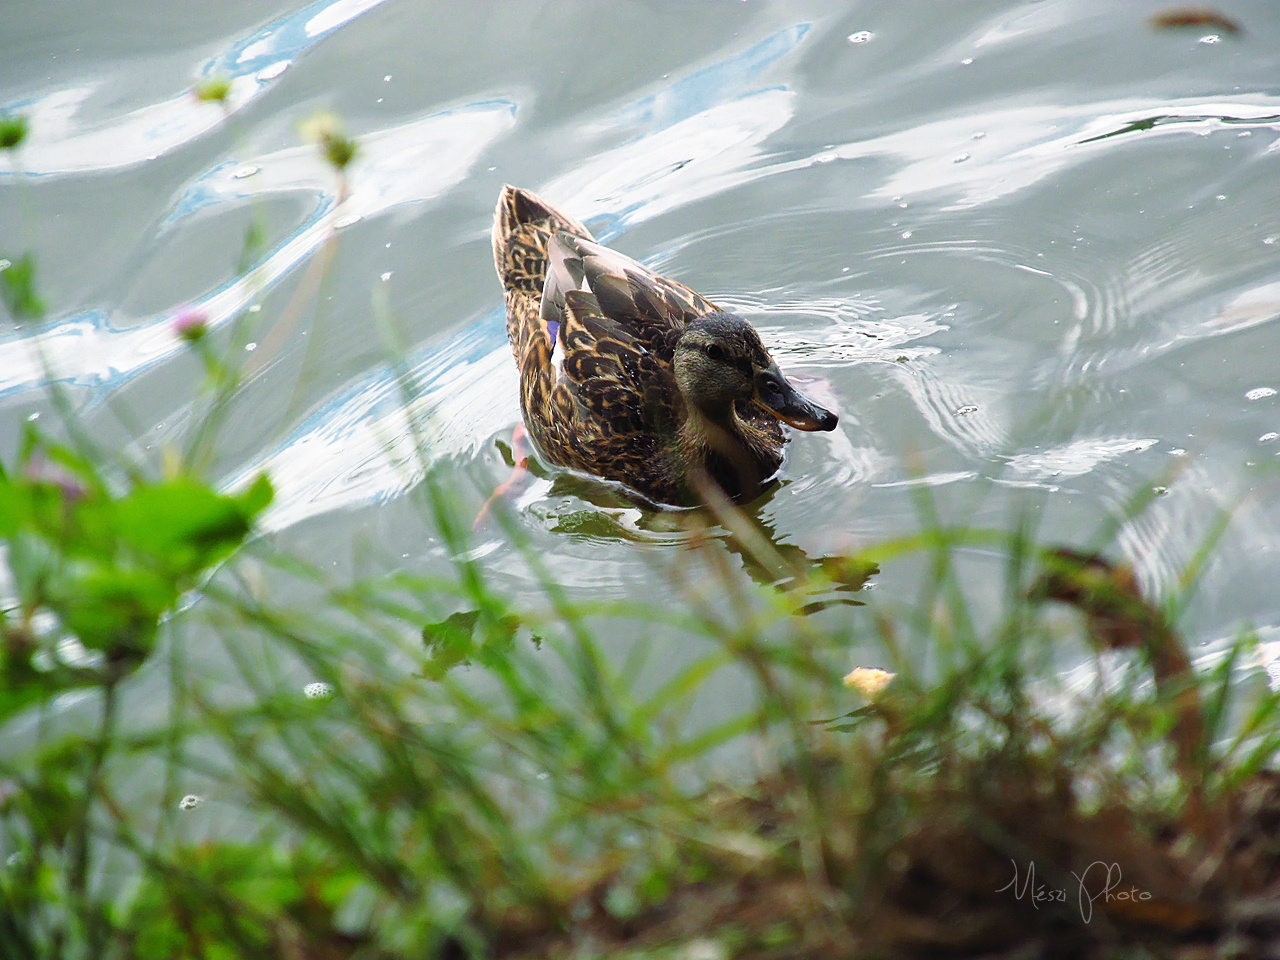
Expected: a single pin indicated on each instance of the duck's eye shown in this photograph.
(715, 352)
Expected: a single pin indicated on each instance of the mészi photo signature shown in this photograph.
(1024, 886)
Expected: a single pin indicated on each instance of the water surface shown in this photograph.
(1028, 251)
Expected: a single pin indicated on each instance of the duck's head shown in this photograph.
(719, 360)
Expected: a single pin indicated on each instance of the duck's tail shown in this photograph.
(523, 225)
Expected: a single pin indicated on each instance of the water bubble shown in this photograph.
(1258, 393)
(5, 264)
(906, 234)
(387, 78)
(248, 170)
(979, 135)
(33, 416)
(385, 277)
(250, 347)
(966, 61)
(1268, 436)
(862, 36)
(190, 802)
(544, 776)
(968, 408)
(960, 159)
(825, 157)
(256, 308)
(343, 222)
(1211, 39)
(319, 690)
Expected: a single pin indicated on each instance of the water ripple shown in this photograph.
(59, 144)
(410, 163)
(1024, 143)
(362, 445)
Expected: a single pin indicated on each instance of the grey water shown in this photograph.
(1029, 251)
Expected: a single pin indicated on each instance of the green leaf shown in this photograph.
(15, 697)
(258, 497)
(255, 242)
(499, 636)
(110, 567)
(18, 288)
(468, 635)
(13, 130)
(184, 526)
(11, 509)
(213, 89)
(450, 642)
(113, 609)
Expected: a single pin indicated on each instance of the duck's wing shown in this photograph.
(523, 225)
(610, 405)
(616, 324)
(650, 307)
(621, 383)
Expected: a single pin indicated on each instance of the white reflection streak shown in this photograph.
(56, 146)
(414, 162)
(362, 449)
(140, 135)
(336, 14)
(1024, 144)
(695, 158)
(1076, 458)
(1247, 309)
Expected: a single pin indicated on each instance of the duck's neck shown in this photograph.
(725, 450)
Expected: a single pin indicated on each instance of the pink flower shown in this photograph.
(40, 469)
(191, 324)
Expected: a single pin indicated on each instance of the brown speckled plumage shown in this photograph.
(595, 336)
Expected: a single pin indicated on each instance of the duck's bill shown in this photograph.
(779, 398)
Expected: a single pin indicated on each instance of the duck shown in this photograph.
(632, 377)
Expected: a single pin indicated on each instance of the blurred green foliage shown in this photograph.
(18, 288)
(13, 130)
(100, 564)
